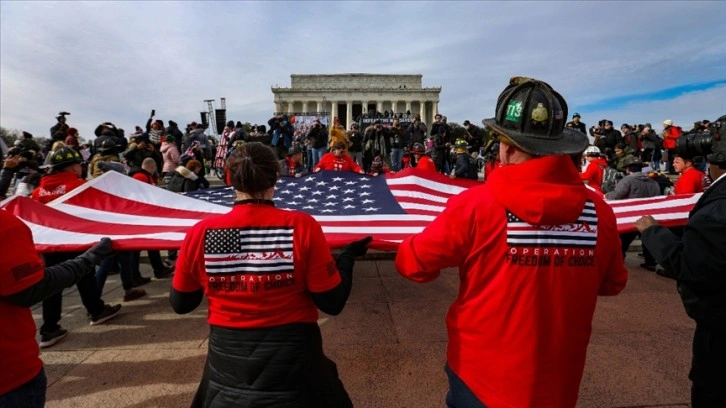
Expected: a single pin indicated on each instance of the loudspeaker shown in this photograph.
(220, 116)
(205, 120)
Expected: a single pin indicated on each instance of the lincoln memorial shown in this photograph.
(348, 96)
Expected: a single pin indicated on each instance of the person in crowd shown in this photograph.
(63, 176)
(27, 143)
(423, 161)
(338, 160)
(27, 184)
(512, 239)
(697, 261)
(652, 145)
(140, 150)
(691, 179)
(631, 139)
(416, 131)
(606, 136)
(171, 156)
(492, 159)
(464, 165)
(105, 152)
(577, 124)
(635, 185)
(473, 137)
(593, 173)
(623, 154)
(19, 163)
(291, 165)
(173, 130)
(278, 271)
(183, 179)
(283, 131)
(72, 139)
(60, 128)
(378, 167)
(439, 136)
(155, 130)
(317, 140)
(376, 142)
(337, 134)
(356, 143)
(399, 140)
(147, 174)
(25, 281)
(671, 133)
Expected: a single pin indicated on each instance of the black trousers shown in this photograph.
(87, 289)
(627, 239)
(6, 177)
(708, 368)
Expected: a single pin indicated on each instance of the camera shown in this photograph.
(710, 145)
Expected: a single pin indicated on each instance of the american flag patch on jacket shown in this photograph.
(580, 234)
(248, 250)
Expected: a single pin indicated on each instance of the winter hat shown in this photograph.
(106, 166)
(170, 139)
(27, 135)
(576, 115)
(72, 131)
(667, 122)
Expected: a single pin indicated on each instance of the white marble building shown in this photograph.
(349, 95)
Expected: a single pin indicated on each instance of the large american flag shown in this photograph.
(348, 206)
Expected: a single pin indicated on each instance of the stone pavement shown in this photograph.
(389, 344)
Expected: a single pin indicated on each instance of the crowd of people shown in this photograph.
(531, 239)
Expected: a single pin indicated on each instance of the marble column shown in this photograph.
(320, 106)
(436, 108)
(305, 107)
(379, 106)
(333, 111)
(291, 107)
(423, 111)
(348, 113)
(408, 106)
(394, 106)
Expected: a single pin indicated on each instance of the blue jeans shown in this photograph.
(459, 395)
(29, 395)
(317, 154)
(396, 156)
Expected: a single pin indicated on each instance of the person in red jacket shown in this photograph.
(25, 281)
(531, 264)
(64, 176)
(338, 160)
(670, 136)
(594, 172)
(423, 161)
(691, 179)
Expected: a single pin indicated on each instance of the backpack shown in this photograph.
(473, 168)
(610, 177)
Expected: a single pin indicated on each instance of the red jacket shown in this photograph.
(343, 163)
(55, 185)
(534, 248)
(691, 181)
(593, 174)
(424, 162)
(670, 135)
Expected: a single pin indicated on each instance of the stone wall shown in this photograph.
(356, 81)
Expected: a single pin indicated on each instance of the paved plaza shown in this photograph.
(389, 343)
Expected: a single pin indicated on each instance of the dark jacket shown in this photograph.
(319, 136)
(651, 140)
(416, 133)
(697, 261)
(462, 167)
(609, 139)
(399, 138)
(375, 143)
(282, 366)
(356, 141)
(579, 126)
(182, 180)
(285, 168)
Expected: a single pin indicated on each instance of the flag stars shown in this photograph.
(329, 204)
(333, 188)
(349, 191)
(350, 183)
(321, 183)
(337, 179)
(365, 186)
(364, 194)
(370, 209)
(346, 199)
(317, 193)
(332, 197)
(366, 201)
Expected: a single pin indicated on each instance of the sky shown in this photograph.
(630, 62)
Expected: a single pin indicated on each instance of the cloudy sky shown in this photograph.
(631, 62)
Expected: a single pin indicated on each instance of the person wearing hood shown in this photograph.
(291, 165)
(522, 249)
(696, 261)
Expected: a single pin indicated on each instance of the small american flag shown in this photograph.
(248, 250)
(580, 234)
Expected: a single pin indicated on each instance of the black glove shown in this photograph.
(98, 252)
(358, 248)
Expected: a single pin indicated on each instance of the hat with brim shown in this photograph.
(532, 115)
(633, 163)
(570, 141)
